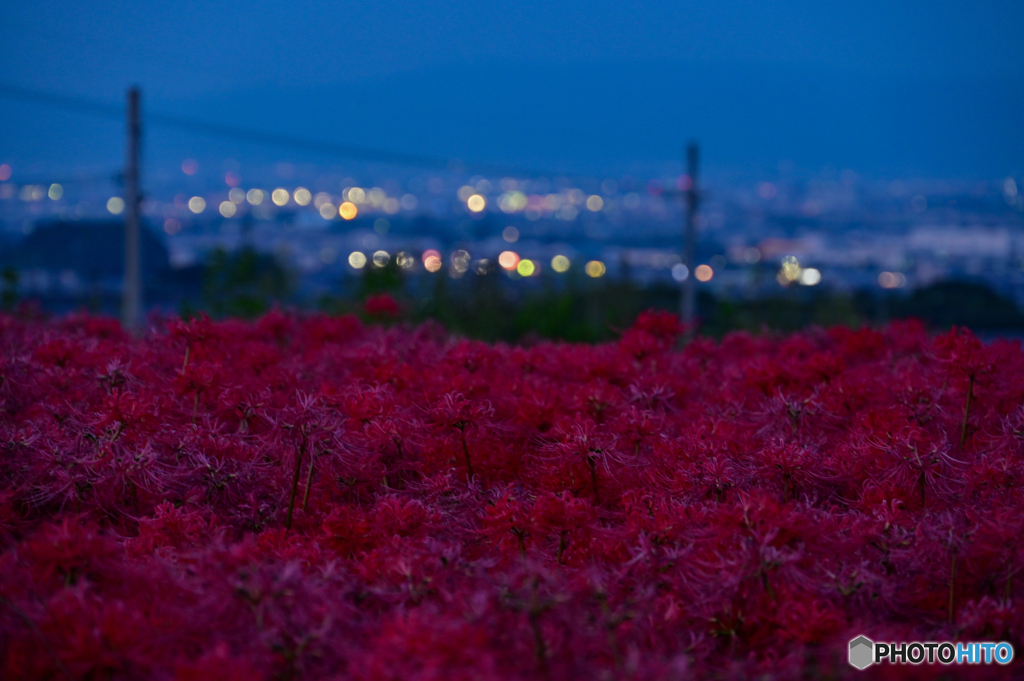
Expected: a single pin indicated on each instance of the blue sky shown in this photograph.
(923, 88)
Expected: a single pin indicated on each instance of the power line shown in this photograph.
(112, 176)
(60, 101)
(264, 137)
(278, 139)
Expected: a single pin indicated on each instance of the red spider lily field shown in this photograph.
(306, 497)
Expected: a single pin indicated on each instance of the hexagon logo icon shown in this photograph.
(861, 652)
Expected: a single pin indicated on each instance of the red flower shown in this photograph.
(306, 497)
(382, 306)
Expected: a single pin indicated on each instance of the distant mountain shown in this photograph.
(82, 264)
(93, 250)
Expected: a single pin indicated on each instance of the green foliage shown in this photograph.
(387, 279)
(243, 284)
(574, 307)
(962, 303)
(791, 310)
(564, 308)
(8, 288)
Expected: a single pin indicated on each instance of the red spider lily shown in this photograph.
(382, 306)
(306, 497)
(455, 411)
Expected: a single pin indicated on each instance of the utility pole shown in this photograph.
(131, 303)
(689, 297)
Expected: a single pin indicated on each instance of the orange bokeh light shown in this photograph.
(348, 210)
(508, 260)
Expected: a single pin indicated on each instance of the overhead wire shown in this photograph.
(354, 152)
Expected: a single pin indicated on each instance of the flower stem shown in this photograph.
(593, 479)
(309, 481)
(952, 582)
(295, 488)
(465, 452)
(967, 410)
